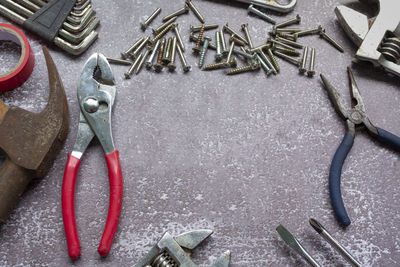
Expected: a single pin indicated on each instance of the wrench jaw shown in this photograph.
(77, 32)
(378, 39)
(175, 251)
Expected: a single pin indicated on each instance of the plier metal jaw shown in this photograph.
(356, 118)
(96, 94)
(378, 38)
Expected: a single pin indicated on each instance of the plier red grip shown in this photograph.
(96, 93)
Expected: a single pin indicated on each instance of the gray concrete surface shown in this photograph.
(238, 155)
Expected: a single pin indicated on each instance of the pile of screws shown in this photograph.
(162, 50)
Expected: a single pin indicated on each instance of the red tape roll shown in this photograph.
(21, 72)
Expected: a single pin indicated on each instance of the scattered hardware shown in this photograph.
(96, 94)
(356, 118)
(378, 38)
(21, 72)
(72, 29)
(145, 24)
(175, 251)
(292, 241)
(333, 242)
(31, 141)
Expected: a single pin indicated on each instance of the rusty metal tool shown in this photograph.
(69, 24)
(96, 94)
(378, 38)
(175, 251)
(31, 141)
(356, 118)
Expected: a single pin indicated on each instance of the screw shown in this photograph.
(302, 68)
(140, 66)
(275, 42)
(149, 62)
(286, 51)
(264, 65)
(171, 64)
(257, 12)
(196, 49)
(290, 59)
(295, 20)
(245, 28)
(163, 26)
(178, 36)
(145, 24)
(284, 30)
(309, 32)
(185, 66)
(289, 42)
(194, 38)
(243, 53)
(255, 49)
(231, 31)
(221, 65)
(237, 41)
(273, 59)
(132, 67)
(181, 11)
(166, 58)
(118, 61)
(140, 47)
(130, 49)
(267, 62)
(311, 70)
(223, 43)
(288, 36)
(161, 34)
(331, 41)
(250, 67)
(228, 58)
(218, 54)
(206, 27)
(195, 11)
(158, 66)
(204, 50)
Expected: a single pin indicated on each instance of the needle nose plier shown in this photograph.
(356, 118)
(96, 93)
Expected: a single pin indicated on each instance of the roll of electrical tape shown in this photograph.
(21, 72)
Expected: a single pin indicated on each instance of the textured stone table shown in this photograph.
(238, 155)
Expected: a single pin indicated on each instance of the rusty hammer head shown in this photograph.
(31, 141)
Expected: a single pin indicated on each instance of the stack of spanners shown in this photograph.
(378, 38)
(69, 24)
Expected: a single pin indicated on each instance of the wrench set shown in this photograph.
(69, 24)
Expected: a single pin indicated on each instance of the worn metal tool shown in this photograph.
(31, 141)
(175, 251)
(378, 38)
(96, 94)
(69, 24)
(292, 241)
(333, 242)
(272, 5)
(356, 118)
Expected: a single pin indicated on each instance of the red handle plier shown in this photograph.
(96, 93)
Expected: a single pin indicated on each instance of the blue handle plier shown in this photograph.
(356, 118)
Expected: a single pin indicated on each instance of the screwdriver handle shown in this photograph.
(334, 179)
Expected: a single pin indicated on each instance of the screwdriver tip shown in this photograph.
(316, 225)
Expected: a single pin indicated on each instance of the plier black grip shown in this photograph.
(356, 118)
